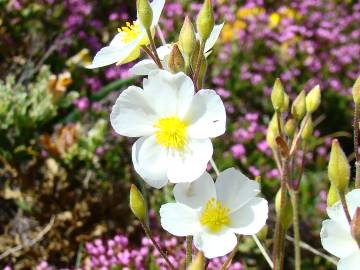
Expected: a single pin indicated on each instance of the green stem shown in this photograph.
(294, 195)
(188, 260)
(356, 145)
(357, 176)
(231, 256)
(345, 206)
(153, 48)
(279, 231)
(198, 64)
(263, 250)
(148, 234)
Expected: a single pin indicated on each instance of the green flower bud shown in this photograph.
(333, 196)
(273, 125)
(286, 213)
(356, 91)
(308, 129)
(202, 72)
(355, 225)
(285, 107)
(198, 263)
(263, 233)
(271, 139)
(313, 99)
(298, 108)
(187, 38)
(176, 61)
(137, 203)
(145, 13)
(290, 127)
(339, 168)
(205, 20)
(195, 55)
(278, 96)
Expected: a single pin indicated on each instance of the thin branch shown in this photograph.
(314, 251)
(161, 35)
(231, 256)
(263, 251)
(32, 242)
(213, 164)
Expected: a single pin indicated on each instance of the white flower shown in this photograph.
(214, 212)
(144, 67)
(174, 125)
(336, 235)
(125, 47)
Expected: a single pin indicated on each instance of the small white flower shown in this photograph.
(336, 235)
(125, 47)
(174, 125)
(214, 212)
(144, 67)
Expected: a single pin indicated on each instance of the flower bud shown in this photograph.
(137, 203)
(263, 233)
(356, 91)
(274, 126)
(313, 99)
(333, 196)
(176, 61)
(195, 55)
(205, 20)
(298, 108)
(308, 129)
(339, 168)
(187, 38)
(285, 107)
(145, 13)
(286, 213)
(271, 139)
(278, 96)
(355, 225)
(290, 127)
(198, 263)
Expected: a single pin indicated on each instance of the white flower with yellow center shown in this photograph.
(144, 67)
(174, 124)
(214, 212)
(336, 235)
(125, 46)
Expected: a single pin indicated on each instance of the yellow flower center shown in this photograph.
(171, 133)
(130, 31)
(215, 215)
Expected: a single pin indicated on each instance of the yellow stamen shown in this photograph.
(215, 216)
(130, 32)
(171, 133)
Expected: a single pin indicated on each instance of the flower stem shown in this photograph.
(148, 234)
(279, 230)
(188, 260)
(356, 145)
(150, 54)
(345, 206)
(263, 250)
(153, 48)
(213, 164)
(198, 64)
(294, 195)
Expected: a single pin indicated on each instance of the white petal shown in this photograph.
(336, 212)
(215, 245)
(132, 115)
(164, 51)
(150, 161)
(234, 189)
(213, 37)
(117, 51)
(353, 201)
(189, 165)
(143, 68)
(207, 116)
(179, 220)
(351, 262)
(170, 94)
(336, 239)
(197, 193)
(157, 7)
(250, 218)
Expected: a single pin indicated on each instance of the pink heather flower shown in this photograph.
(254, 171)
(238, 150)
(82, 103)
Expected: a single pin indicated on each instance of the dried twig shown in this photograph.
(30, 243)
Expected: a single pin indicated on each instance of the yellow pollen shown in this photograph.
(130, 31)
(171, 133)
(215, 216)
